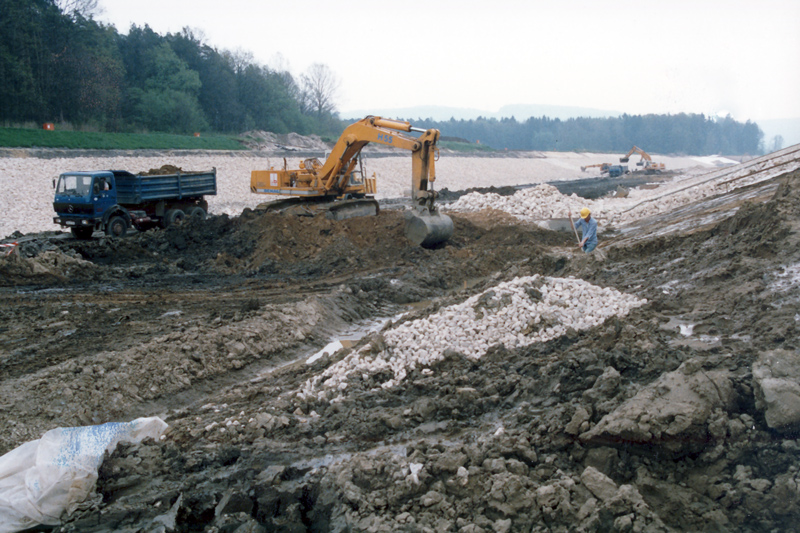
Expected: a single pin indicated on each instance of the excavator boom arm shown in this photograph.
(635, 150)
(355, 137)
(649, 165)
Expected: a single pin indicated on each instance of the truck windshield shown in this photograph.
(74, 185)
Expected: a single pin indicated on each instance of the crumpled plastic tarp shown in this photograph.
(43, 479)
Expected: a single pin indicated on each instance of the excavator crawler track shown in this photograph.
(333, 209)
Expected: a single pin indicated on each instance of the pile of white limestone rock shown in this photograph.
(534, 203)
(544, 202)
(516, 314)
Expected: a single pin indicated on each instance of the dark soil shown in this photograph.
(203, 324)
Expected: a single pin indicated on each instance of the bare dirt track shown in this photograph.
(632, 425)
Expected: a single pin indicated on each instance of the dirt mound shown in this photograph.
(51, 267)
(164, 170)
(258, 244)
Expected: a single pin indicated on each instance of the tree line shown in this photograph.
(57, 64)
(691, 134)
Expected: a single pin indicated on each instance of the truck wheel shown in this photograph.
(174, 217)
(82, 234)
(196, 212)
(116, 227)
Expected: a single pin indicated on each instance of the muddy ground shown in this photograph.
(207, 325)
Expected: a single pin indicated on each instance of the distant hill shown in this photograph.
(519, 111)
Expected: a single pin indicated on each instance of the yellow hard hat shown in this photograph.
(585, 212)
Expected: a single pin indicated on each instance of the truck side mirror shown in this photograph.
(54, 183)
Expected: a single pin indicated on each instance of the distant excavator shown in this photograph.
(613, 171)
(603, 167)
(646, 161)
(340, 189)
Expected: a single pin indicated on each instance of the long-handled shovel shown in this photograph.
(573, 227)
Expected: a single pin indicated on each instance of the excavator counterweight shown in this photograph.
(340, 187)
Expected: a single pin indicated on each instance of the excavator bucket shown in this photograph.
(427, 229)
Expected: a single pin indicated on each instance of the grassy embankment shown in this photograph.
(92, 140)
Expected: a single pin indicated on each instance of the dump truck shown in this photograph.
(115, 200)
(340, 188)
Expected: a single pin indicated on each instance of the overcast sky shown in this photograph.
(669, 56)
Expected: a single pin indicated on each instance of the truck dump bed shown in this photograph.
(133, 189)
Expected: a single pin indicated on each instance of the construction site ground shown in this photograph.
(646, 422)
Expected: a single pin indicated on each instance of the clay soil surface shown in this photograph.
(209, 325)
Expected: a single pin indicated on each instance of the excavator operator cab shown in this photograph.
(356, 178)
(357, 175)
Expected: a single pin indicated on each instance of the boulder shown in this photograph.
(776, 384)
(599, 484)
(674, 412)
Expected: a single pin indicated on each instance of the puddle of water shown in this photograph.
(349, 338)
(703, 342)
(346, 339)
(330, 349)
(684, 327)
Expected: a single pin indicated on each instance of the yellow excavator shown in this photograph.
(646, 161)
(339, 188)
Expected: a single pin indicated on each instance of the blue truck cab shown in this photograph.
(614, 171)
(115, 200)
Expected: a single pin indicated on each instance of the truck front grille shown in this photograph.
(69, 208)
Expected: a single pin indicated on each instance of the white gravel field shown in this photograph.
(28, 191)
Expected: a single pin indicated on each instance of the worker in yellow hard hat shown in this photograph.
(588, 227)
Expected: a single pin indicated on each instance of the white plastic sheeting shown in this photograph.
(43, 479)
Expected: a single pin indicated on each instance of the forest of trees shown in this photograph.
(63, 66)
(57, 64)
(666, 134)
